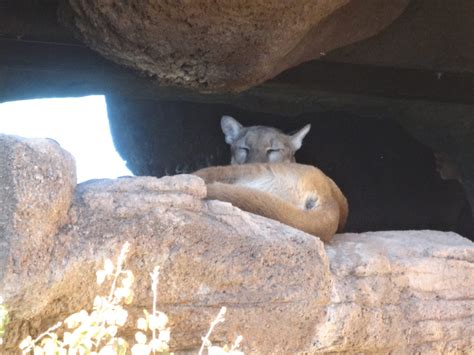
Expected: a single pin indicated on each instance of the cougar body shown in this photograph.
(300, 196)
(263, 179)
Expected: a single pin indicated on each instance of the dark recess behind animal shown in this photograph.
(388, 177)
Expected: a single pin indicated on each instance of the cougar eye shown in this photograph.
(272, 150)
(243, 150)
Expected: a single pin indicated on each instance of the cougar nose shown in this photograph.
(257, 157)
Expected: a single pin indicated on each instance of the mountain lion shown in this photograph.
(264, 180)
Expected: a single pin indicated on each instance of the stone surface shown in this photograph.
(221, 46)
(407, 292)
(422, 37)
(399, 292)
(211, 254)
(37, 181)
(425, 36)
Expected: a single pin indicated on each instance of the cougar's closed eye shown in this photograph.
(273, 150)
(243, 149)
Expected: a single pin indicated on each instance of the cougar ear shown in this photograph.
(297, 138)
(231, 128)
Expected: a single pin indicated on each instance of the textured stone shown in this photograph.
(37, 181)
(223, 45)
(211, 254)
(399, 292)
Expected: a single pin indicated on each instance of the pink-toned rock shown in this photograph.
(286, 292)
(409, 292)
(37, 181)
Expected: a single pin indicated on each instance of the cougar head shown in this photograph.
(261, 144)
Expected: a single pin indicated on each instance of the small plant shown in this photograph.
(155, 322)
(93, 333)
(217, 350)
(96, 333)
(3, 319)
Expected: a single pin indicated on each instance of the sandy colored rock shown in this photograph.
(37, 181)
(223, 45)
(211, 254)
(404, 292)
(383, 292)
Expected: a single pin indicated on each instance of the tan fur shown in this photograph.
(281, 191)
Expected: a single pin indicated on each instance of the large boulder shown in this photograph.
(223, 45)
(285, 291)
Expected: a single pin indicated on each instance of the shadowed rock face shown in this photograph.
(286, 292)
(223, 45)
(389, 178)
(425, 36)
